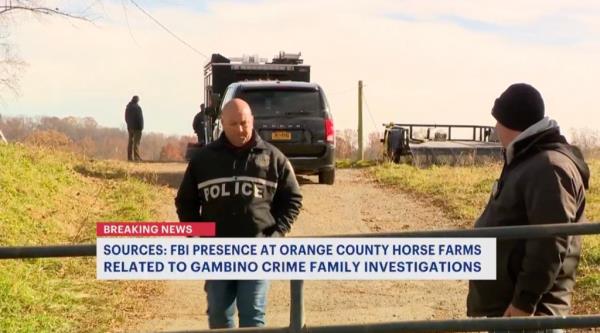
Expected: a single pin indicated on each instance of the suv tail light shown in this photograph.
(329, 131)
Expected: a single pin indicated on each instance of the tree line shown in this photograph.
(85, 136)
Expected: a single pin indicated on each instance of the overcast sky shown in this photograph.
(422, 61)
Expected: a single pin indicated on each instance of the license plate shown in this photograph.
(281, 135)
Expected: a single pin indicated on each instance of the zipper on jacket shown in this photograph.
(235, 173)
(250, 154)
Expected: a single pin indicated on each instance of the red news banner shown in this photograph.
(155, 229)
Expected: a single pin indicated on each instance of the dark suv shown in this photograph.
(295, 117)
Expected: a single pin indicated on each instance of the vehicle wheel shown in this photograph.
(327, 176)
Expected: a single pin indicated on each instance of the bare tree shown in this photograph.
(34, 7)
(11, 65)
(374, 149)
(346, 143)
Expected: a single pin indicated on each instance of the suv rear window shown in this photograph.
(283, 102)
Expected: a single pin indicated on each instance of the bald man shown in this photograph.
(248, 188)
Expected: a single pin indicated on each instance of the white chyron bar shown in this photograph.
(180, 258)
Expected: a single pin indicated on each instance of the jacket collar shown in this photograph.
(545, 135)
(530, 136)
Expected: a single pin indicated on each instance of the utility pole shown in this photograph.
(361, 155)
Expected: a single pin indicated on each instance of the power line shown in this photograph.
(127, 20)
(369, 111)
(167, 29)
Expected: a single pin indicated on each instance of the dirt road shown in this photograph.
(353, 205)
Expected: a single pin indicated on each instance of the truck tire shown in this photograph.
(327, 176)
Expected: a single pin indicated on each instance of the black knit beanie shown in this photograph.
(519, 107)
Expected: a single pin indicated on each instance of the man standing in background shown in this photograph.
(135, 125)
(199, 125)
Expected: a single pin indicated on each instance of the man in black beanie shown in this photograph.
(543, 181)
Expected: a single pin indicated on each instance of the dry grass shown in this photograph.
(46, 201)
(462, 193)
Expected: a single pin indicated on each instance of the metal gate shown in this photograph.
(297, 323)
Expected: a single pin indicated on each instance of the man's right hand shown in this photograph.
(513, 311)
(275, 234)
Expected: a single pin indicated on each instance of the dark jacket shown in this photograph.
(247, 192)
(543, 181)
(134, 117)
(198, 123)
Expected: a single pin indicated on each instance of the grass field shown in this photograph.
(45, 201)
(462, 192)
(51, 197)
